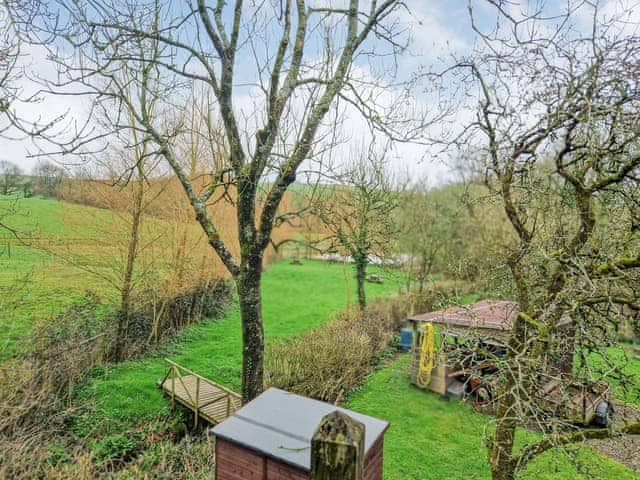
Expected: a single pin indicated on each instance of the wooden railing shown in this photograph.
(176, 374)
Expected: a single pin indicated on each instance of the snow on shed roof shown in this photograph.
(280, 425)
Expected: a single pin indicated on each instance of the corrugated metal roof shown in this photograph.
(280, 425)
(490, 314)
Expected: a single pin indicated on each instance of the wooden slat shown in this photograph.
(205, 398)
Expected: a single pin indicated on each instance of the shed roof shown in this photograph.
(487, 314)
(280, 425)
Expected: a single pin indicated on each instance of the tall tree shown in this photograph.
(557, 119)
(428, 222)
(298, 58)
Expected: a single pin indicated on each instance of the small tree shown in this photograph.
(358, 210)
(48, 178)
(10, 177)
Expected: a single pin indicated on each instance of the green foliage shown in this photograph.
(58, 453)
(117, 446)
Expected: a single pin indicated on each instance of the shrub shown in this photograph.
(36, 388)
(329, 362)
(188, 459)
(118, 448)
(156, 319)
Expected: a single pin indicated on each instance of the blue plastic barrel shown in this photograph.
(406, 339)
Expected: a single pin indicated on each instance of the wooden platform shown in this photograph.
(203, 397)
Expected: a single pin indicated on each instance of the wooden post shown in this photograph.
(173, 392)
(337, 448)
(197, 410)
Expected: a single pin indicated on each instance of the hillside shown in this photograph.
(57, 251)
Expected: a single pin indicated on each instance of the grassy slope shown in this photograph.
(295, 298)
(33, 284)
(439, 440)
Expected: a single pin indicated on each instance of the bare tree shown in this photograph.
(10, 177)
(48, 178)
(293, 60)
(9, 55)
(557, 119)
(358, 210)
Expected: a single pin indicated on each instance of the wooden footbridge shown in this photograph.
(206, 399)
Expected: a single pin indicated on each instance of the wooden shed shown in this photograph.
(270, 438)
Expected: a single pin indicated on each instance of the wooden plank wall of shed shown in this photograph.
(234, 462)
(373, 461)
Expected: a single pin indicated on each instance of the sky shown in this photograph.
(439, 30)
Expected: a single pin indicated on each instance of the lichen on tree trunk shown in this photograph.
(250, 298)
(361, 276)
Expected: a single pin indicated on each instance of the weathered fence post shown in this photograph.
(337, 448)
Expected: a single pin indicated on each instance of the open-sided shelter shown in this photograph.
(477, 334)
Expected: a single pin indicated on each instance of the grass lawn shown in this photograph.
(629, 361)
(295, 299)
(435, 440)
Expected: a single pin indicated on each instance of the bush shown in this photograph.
(36, 388)
(118, 448)
(155, 319)
(329, 362)
(188, 459)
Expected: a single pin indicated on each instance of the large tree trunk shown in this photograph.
(250, 297)
(501, 447)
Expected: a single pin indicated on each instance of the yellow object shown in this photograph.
(427, 355)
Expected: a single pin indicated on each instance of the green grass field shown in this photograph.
(435, 440)
(295, 299)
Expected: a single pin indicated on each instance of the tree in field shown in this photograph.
(10, 177)
(557, 119)
(48, 178)
(290, 61)
(358, 211)
(140, 171)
